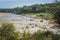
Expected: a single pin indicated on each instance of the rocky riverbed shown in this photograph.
(27, 24)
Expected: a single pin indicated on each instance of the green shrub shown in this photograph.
(7, 32)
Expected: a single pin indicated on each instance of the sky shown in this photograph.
(20, 3)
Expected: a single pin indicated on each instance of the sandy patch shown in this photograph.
(16, 19)
(2, 14)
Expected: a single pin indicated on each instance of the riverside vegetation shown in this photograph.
(49, 12)
(8, 32)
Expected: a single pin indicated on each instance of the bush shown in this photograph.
(7, 32)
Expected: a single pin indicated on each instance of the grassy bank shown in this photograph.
(46, 16)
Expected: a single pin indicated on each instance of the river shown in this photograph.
(23, 23)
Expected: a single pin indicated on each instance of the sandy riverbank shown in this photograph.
(2, 14)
